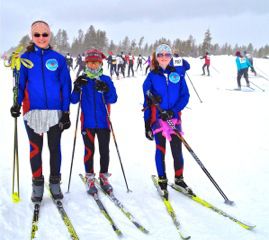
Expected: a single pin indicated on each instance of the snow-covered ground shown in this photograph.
(228, 131)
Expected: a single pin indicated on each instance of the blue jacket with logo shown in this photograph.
(170, 85)
(94, 114)
(47, 85)
(242, 63)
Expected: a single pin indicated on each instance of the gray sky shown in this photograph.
(232, 21)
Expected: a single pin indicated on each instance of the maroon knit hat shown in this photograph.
(94, 55)
(238, 54)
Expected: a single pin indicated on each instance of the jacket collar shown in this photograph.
(41, 51)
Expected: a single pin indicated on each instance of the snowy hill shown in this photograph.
(228, 131)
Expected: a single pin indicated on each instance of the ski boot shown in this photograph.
(55, 188)
(90, 178)
(162, 181)
(179, 181)
(38, 189)
(104, 183)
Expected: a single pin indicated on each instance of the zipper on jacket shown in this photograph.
(43, 78)
(94, 104)
(166, 80)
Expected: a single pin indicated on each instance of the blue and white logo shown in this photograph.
(174, 77)
(52, 64)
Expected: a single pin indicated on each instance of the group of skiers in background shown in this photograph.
(46, 92)
(116, 64)
(243, 63)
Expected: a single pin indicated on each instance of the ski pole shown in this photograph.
(114, 138)
(171, 124)
(215, 69)
(74, 143)
(262, 75)
(257, 86)
(194, 88)
(15, 65)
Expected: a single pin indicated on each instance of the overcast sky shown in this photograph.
(232, 21)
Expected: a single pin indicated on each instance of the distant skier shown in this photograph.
(206, 63)
(242, 64)
(69, 61)
(124, 60)
(148, 62)
(113, 66)
(120, 65)
(168, 85)
(250, 58)
(109, 60)
(139, 62)
(78, 61)
(97, 93)
(81, 65)
(130, 61)
(180, 63)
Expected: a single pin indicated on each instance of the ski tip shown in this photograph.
(144, 230)
(119, 232)
(251, 227)
(15, 197)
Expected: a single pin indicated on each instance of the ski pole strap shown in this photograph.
(16, 61)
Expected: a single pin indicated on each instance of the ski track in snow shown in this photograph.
(228, 131)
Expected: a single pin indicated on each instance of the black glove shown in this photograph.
(101, 86)
(157, 100)
(166, 115)
(148, 131)
(80, 82)
(64, 122)
(15, 111)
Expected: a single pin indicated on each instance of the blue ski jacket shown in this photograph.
(94, 113)
(170, 85)
(47, 85)
(242, 63)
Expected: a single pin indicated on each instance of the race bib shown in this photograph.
(177, 61)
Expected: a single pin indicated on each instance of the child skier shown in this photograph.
(96, 92)
(168, 85)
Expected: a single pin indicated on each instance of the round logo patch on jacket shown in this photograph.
(174, 77)
(52, 64)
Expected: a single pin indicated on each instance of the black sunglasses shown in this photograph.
(37, 35)
(167, 55)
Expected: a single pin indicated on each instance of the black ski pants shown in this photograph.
(130, 68)
(207, 68)
(103, 135)
(36, 145)
(240, 73)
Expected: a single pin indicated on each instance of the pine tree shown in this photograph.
(126, 44)
(25, 41)
(206, 45)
